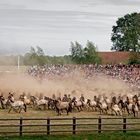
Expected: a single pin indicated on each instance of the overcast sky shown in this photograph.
(53, 24)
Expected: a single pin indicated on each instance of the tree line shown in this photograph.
(125, 37)
(36, 56)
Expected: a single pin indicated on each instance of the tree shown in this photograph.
(41, 58)
(35, 57)
(77, 53)
(90, 53)
(126, 34)
(40, 51)
(87, 55)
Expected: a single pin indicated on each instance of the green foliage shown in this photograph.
(59, 59)
(87, 55)
(90, 54)
(126, 34)
(35, 57)
(77, 52)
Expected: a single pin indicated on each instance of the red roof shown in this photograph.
(114, 57)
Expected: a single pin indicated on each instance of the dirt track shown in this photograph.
(99, 84)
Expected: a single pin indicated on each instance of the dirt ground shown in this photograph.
(74, 84)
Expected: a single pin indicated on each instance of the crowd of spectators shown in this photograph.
(128, 73)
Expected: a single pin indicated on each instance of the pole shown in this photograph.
(18, 62)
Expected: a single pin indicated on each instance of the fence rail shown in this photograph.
(67, 125)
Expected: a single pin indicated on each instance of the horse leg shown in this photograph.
(25, 107)
(10, 109)
(134, 114)
(48, 106)
(60, 112)
(81, 107)
(88, 108)
(57, 110)
(78, 108)
(2, 105)
(95, 108)
(128, 111)
(119, 112)
(20, 110)
(44, 106)
(137, 113)
(67, 111)
(15, 109)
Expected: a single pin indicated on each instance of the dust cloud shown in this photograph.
(74, 84)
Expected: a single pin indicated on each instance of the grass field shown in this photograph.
(105, 136)
(52, 114)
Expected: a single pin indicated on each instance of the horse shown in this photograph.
(33, 100)
(135, 110)
(92, 104)
(102, 107)
(42, 102)
(59, 106)
(50, 102)
(79, 105)
(115, 108)
(122, 104)
(17, 105)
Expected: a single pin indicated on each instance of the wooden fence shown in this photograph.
(67, 125)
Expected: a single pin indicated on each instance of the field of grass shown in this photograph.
(104, 136)
(52, 114)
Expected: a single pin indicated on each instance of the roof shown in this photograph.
(114, 57)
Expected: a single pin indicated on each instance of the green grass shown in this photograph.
(31, 113)
(103, 136)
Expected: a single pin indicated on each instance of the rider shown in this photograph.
(22, 96)
(69, 98)
(11, 97)
(82, 98)
(65, 98)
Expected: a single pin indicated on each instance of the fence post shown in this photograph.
(74, 125)
(99, 124)
(20, 127)
(48, 126)
(124, 125)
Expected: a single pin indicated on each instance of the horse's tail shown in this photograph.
(25, 107)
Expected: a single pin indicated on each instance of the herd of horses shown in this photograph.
(115, 105)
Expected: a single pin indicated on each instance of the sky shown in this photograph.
(53, 24)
